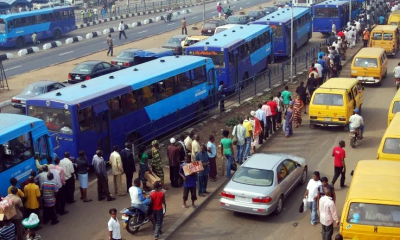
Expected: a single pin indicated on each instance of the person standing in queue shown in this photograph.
(82, 167)
(227, 151)
(240, 132)
(117, 171)
(188, 143)
(128, 164)
(212, 155)
(69, 171)
(50, 190)
(221, 92)
(340, 166)
(173, 154)
(195, 147)
(61, 194)
(189, 184)
(157, 199)
(99, 166)
(143, 166)
(261, 116)
(203, 175)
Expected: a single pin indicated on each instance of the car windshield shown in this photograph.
(252, 14)
(33, 90)
(210, 25)
(269, 9)
(366, 62)
(396, 107)
(220, 29)
(175, 41)
(392, 146)
(236, 19)
(253, 176)
(328, 99)
(2, 26)
(56, 120)
(15, 151)
(84, 68)
(126, 54)
(374, 215)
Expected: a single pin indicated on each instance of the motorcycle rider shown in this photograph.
(356, 121)
(137, 199)
(169, 14)
(396, 72)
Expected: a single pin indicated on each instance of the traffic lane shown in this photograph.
(315, 145)
(43, 59)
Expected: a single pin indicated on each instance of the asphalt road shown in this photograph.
(315, 145)
(67, 52)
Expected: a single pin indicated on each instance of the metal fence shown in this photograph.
(134, 7)
(276, 73)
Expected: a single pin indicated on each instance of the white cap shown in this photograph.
(172, 140)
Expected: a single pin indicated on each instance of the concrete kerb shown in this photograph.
(191, 212)
(50, 45)
(27, 51)
(5, 104)
(73, 39)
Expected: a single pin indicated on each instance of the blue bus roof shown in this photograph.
(146, 74)
(282, 15)
(231, 36)
(331, 3)
(154, 52)
(34, 12)
(10, 125)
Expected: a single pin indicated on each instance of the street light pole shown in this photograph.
(350, 12)
(291, 47)
(204, 12)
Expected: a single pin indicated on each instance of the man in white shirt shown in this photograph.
(356, 121)
(260, 115)
(312, 195)
(396, 71)
(240, 132)
(68, 167)
(121, 29)
(117, 171)
(328, 214)
(137, 199)
(95, 14)
(113, 225)
(333, 28)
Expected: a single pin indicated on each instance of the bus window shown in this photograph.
(198, 75)
(388, 36)
(278, 31)
(85, 118)
(147, 95)
(129, 102)
(42, 147)
(2, 26)
(182, 82)
(166, 88)
(57, 120)
(211, 76)
(115, 105)
(15, 151)
(326, 13)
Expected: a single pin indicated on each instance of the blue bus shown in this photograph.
(16, 29)
(21, 139)
(238, 53)
(136, 104)
(280, 22)
(336, 11)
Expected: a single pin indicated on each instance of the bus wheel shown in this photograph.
(20, 43)
(57, 34)
(135, 138)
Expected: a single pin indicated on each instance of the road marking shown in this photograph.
(170, 24)
(194, 17)
(248, 3)
(142, 31)
(12, 68)
(65, 53)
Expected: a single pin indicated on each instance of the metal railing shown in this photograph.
(276, 73)
(135, 7)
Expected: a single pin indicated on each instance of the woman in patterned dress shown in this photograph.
(298, 105)
(156, 162)
(289, 120)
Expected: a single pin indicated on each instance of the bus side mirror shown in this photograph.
(57, 141)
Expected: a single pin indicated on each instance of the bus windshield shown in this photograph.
(57, 120)
(278, 31)
(326, 13)
(15, 151)
(2, 26)
(328, 99)
(366, 62)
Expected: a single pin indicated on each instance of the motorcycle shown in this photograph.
(355, 137)
(133, 218)
(168, 17)
(397, 82)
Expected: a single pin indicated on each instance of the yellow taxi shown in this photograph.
(394, 18)
(190, 40)
(386, 37)
(334, 102)
(389, 149)
(369, 65)
(394, 106)
(372, 207)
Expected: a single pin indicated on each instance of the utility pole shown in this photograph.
(349, 11)
(204, 12)
(368, 15)
(291, 47)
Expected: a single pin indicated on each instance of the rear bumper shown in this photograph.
(248, 208)
(368, 80)
(326, 123)
(18, 105)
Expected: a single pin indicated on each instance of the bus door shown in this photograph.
(288, 38)
(236, 66)
(103, 128)
(212, 89)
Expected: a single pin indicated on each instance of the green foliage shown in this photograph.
(231, 122)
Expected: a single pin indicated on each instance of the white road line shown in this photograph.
(12, 68)
(248, 3)
(142, 31)
(194, 17)
(65, 53)
(170, 24)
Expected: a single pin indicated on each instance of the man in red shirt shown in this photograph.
(340, 167)
(274, 110)
(157, 199)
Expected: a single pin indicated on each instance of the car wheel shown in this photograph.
(279, 206)
(303, 176)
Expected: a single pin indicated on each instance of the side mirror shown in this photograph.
(57, 141)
